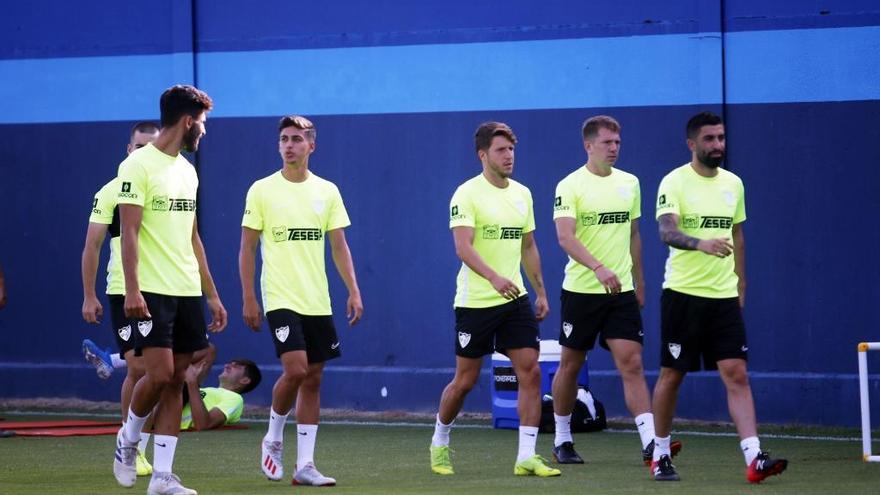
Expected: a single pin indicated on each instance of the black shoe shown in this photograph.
(663, 470)
(763, 467)
(648, 452)
(565, 454)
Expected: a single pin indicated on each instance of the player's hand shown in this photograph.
(194, 371)
(253, 315)
(2, 295)
(136, 307)
(640, 295)
(720, 247)
(354, 308)
(505, 287)
(92, 310)
(218, 315)
(608, 279)
(542, 307)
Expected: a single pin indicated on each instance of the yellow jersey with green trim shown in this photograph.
(500, 218)
(707, 208)
(104, 212)
(603, 209)
(293, 218)
(230, 403)
(165, 187)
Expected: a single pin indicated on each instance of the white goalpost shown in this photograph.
(864, 347)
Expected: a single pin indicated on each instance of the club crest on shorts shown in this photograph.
(464, 339)
(125, 332)
(675, 350)
(281, 333)
(144, 327)
(567, 328)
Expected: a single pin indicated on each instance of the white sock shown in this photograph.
(528, 437)
(563, 429)
(163, 453)
(645, 424)
(117, 362)
(305, 444)
(441, 433)
(276, 426)
(142, 445)
(751, 447)
(131, 430)
(661, 447)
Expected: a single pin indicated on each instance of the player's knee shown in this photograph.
(631, 364)
(294, 375)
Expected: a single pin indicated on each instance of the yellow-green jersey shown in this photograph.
(104, 212)
(500, 218)
(230, 403)
(293, 218)
(707, 208)
(603, 209)
(165, 187)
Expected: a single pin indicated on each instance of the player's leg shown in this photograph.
(518, 337)
(286, 327)
(322, 345)
(467, 372)
(729, 350)
(577, 335)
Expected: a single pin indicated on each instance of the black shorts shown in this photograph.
(292, 331)
(611, 316)
(123, 328)
(480, 331)
(178, 323)
(693, 326)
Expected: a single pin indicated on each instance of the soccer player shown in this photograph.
(596, 211)
(164, 281)
(493, 225)
(289, 214)
(700, 209)
(105, 218)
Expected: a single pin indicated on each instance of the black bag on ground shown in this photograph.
(588, 414)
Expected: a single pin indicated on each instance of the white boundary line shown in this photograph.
(398, 424)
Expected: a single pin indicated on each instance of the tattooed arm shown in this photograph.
(670, 234)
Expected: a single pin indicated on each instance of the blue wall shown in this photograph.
(396, 89)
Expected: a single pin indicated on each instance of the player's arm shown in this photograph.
(464, 248)
(202, 419)
(91, 308)
(671, 235)
(345, 266)
(206, 356)
(635, 252)
(2, 289)
(531, 261)
(218, 312)
(131, 217)
(565, 234)
(739, 261)
(247, 262)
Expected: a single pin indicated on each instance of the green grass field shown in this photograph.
(382, 459)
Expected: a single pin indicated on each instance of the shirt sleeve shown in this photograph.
(133, 184)
(461, 210)
(667, 197)
(564, 205)
(103, 205)
(739, 215)
(253, 213)
(231, 405)
(337, 216)
(530, 212)
(636, 210)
